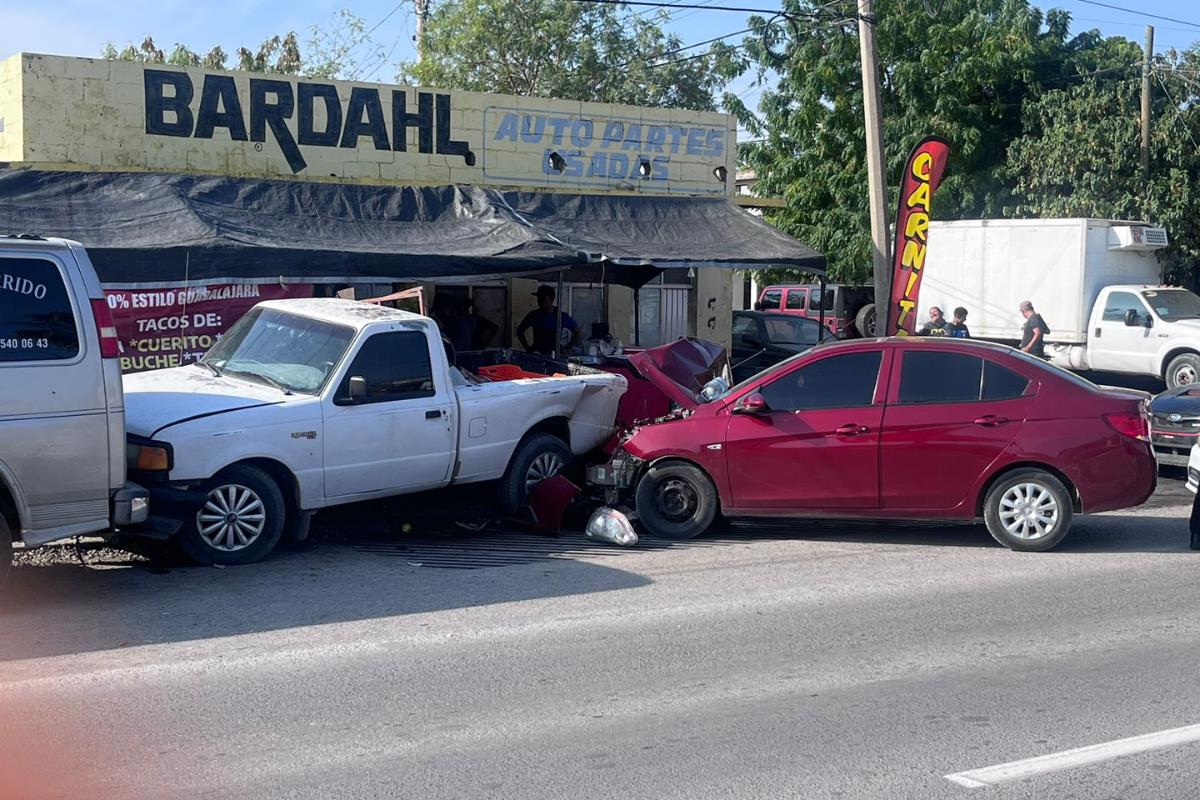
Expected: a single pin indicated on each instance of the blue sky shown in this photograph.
(74, 27)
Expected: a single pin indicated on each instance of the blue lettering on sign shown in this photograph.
(618, 153)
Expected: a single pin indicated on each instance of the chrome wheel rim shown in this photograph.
(1185, 375)
(547, 465)
(1029, 511)
(232, 518)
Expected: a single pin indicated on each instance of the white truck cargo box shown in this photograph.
(1060, 265)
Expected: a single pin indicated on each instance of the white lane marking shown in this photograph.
(1079, 757)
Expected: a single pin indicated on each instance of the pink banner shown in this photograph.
(162, 328)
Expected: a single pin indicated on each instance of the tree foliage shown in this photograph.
(1079, 155)
(569, 50)
(341, 49)
(973, 75)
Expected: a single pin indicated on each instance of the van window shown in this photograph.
(37, 322)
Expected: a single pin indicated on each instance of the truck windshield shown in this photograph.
(294, 353)
(1173, 304)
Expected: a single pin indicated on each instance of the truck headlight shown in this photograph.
(145, 455)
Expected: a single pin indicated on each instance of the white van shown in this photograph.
(62, 411)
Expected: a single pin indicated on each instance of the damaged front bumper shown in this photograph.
(620, 473)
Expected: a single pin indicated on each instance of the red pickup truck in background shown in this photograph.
(849, 311)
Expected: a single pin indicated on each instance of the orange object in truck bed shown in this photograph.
(509, 372)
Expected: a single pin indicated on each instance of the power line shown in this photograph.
(1140, 13)
(686, 47)
(1178, 113)
(772, 11)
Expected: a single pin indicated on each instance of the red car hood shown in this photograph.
(680, 369)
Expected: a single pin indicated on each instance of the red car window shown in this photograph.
(940, 376)
(796, 298)
(772, 300)
(841, 381)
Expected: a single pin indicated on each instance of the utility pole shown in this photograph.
(421, 9)
(1146, 89)
(876, 176)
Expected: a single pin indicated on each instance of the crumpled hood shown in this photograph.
(154, 400)
(680, 369)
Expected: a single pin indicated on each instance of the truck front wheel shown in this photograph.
(1184, 370)
(541, 456)
(240, 521)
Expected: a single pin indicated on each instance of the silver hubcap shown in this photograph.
(547, 465)
(232, 518)
(1029, 511)
(1185, 376)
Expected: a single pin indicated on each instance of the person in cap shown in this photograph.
(957, 327)
(1033, 333)
(543, 322)
(936, 325)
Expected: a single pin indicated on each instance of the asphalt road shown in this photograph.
(790, 660)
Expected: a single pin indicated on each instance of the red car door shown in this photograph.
(949, 417)
(816, 445)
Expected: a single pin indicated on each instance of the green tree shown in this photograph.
(569, 50)
(341, 49)
(1080, 155)
(964, 74)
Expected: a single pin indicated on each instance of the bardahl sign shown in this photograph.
(121, 115)
(272, 102)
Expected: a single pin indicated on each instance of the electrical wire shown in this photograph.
(773, 11)
(1178, 113)
(686, 47)
(1140, 13)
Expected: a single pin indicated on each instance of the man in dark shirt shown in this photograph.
(543, 321)
(958, 326)
(936, 325)
(1033, 334)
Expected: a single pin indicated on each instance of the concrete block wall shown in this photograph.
(91, 113)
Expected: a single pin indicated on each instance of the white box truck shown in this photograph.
(1096, 283)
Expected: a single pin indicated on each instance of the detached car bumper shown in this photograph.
(129, 505)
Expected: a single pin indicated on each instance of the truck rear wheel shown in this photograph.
(540, 456)
(1184, 370)
(5, 550)
(240, 521)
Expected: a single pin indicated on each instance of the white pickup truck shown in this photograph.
(305, 404)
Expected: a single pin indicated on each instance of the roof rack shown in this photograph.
(33, 237)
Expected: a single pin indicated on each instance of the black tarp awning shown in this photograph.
(149, 228)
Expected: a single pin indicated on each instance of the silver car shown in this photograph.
(62, 411)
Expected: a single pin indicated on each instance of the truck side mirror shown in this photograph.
(1149, 321)
(358, 388)
(1131, 318)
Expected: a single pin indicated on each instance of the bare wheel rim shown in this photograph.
(547, 465)
(676, 500)
(232, 518)
(1030, 511)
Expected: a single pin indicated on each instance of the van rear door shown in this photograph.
(54, 431)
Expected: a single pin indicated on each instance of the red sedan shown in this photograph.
(915, 429)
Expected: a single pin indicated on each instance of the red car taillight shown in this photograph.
(1133, 425)
(110, 343)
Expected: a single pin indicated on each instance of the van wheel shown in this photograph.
(676, 501)
(1028, 510)
(240, 521)
(6, 549)
(865, 321)
(539, 457)
(1184, 370)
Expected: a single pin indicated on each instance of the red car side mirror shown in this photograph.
(753, 403)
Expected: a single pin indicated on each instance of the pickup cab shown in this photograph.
(306, 404)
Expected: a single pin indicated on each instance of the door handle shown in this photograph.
(433, 414)
(852, 430)
(990, 421)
